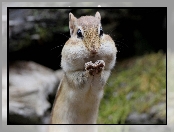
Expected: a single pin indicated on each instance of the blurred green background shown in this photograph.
(136, 85)
(138, 81)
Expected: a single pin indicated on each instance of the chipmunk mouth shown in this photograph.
(93, 51)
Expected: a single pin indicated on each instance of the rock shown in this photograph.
(136, 118)
(59, 75)
(156, 115)
(29, 87)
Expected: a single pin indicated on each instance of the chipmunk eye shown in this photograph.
(101, 31)
(79, 33)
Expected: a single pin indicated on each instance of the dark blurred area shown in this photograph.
(39, 34)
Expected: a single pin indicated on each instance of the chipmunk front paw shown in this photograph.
(94, 68)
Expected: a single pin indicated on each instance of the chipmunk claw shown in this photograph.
(94, 68)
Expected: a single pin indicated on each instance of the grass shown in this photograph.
(135, 84)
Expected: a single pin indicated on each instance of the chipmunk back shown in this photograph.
(87, 59)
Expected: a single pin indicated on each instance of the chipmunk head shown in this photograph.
(88, 29)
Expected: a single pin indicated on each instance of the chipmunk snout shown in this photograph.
(92, 40)
(93, 51)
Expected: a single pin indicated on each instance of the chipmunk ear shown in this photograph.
(97, 15)
(72, 22)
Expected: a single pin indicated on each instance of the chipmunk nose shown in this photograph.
(93, 51)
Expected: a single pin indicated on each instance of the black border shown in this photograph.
(72, 8)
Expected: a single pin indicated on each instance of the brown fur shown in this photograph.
(87, 63)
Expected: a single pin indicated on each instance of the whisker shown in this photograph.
(60, 45)
(64, 35)
(120, 44)
(57, 47)
(58, 55)
(112, 31)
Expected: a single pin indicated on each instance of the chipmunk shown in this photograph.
(87, 59)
